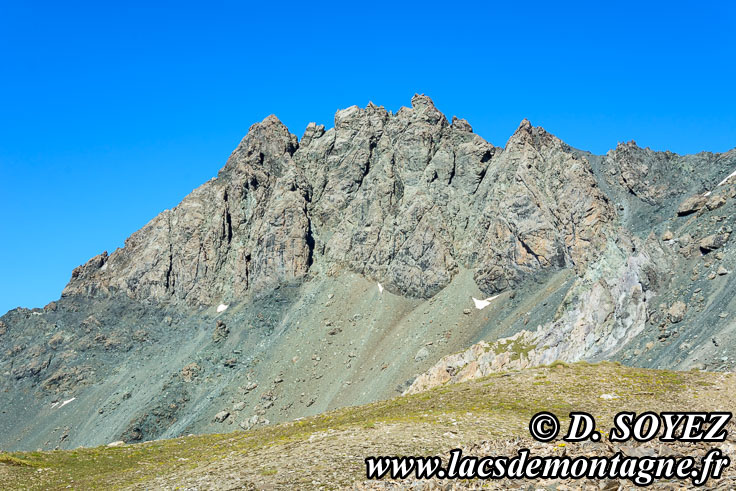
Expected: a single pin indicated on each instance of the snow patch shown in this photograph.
(733, 174)
(380, 288)
(481, 304)
(66, 402)
(609, 397)
(222, 308)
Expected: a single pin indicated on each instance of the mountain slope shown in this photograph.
(483, 417)
(346, 263)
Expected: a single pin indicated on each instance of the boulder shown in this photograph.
(422, 354)
(250, 422)
(190, 372)
(715, 201)
(691, 205)
(713, 242)
(221, 332)
(676, 312)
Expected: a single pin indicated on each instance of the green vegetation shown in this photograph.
(497, 406)
(517, 347)
(8, 459)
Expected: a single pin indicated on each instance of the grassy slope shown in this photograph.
(330, 448)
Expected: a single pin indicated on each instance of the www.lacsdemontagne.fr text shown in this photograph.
(641, 471)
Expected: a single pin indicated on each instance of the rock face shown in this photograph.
(406, 199)
(606, 310)
(246, 229)
(655, 177)
(341, 267)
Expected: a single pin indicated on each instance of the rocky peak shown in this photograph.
(534, 136)
(461, 124)
(654, 177)
(525, 127)
(311, 132)
(424, 110)
(268, 146)
(406, 199)
(422, 102)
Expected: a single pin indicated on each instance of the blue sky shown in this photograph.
(112, 113)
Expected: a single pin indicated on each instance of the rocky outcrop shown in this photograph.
(654, 176)
(692, 204)
(713, 242)
(246, 229)
(406, 199)
(601, 313)
(414, 198)
(541, 210)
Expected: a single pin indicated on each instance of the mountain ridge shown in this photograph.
(270, 154)
(272, 129)
(621, 256)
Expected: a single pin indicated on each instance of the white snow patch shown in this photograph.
(222, 308)
(609, 397)
(380, 288)
(733, 174)
(54, 404)
(66, 402)
(481, 304)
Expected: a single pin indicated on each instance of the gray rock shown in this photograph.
(221, 332)
(407, 199)
(692, 204)
(638, 451)
(715, 202)
(250, 422)
(676, 312)
(713, 242)
(422, 354)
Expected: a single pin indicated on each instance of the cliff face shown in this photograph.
(625, 256)
(404, 199)
(247, 229)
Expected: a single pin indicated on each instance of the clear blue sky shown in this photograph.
(110, 114)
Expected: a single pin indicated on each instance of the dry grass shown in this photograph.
(329, 449)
